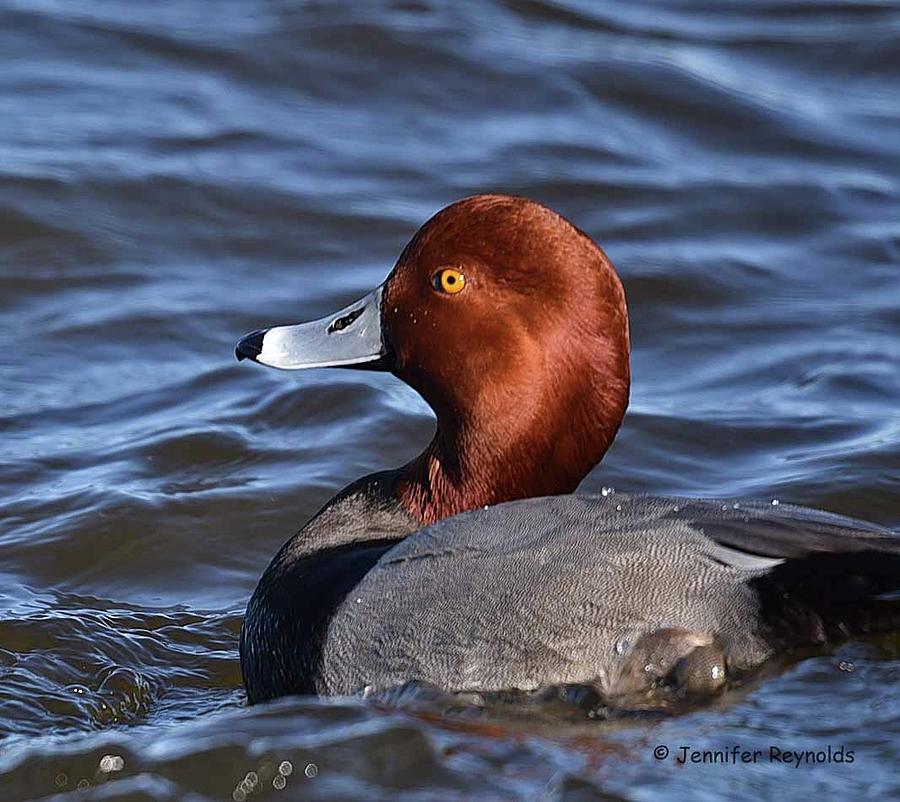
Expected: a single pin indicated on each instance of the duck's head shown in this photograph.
(511, 323)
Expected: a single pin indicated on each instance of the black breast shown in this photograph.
(288, 615)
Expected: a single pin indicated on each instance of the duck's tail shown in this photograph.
(827, 597)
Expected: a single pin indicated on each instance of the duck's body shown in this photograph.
(624, 593)
(575, 589)
(512, 324)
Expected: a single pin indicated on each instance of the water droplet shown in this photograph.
(775, 502)
(111, 763)
(359, 600)
(847, 666)
(279, 782)
(285, 768)
(622, 645)
(238, 794)
(311, 770)
(61, 780)
(618, 508)
(83, 784)
(675, 508)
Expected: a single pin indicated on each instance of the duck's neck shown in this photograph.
(521, 454)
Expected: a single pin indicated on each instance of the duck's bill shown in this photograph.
(350, 337)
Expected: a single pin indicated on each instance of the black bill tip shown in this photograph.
(251, 346)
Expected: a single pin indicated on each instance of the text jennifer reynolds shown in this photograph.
(737, 755)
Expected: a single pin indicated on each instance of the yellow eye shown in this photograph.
(449, 280)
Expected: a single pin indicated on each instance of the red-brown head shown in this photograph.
(512, 325)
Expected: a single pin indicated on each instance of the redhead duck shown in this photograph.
(470, 568)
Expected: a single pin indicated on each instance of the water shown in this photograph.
(174, 175)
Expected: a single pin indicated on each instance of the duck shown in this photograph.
(476, 567)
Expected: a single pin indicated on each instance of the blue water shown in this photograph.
(176, 174)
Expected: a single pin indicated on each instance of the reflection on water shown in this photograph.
(171, 177)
